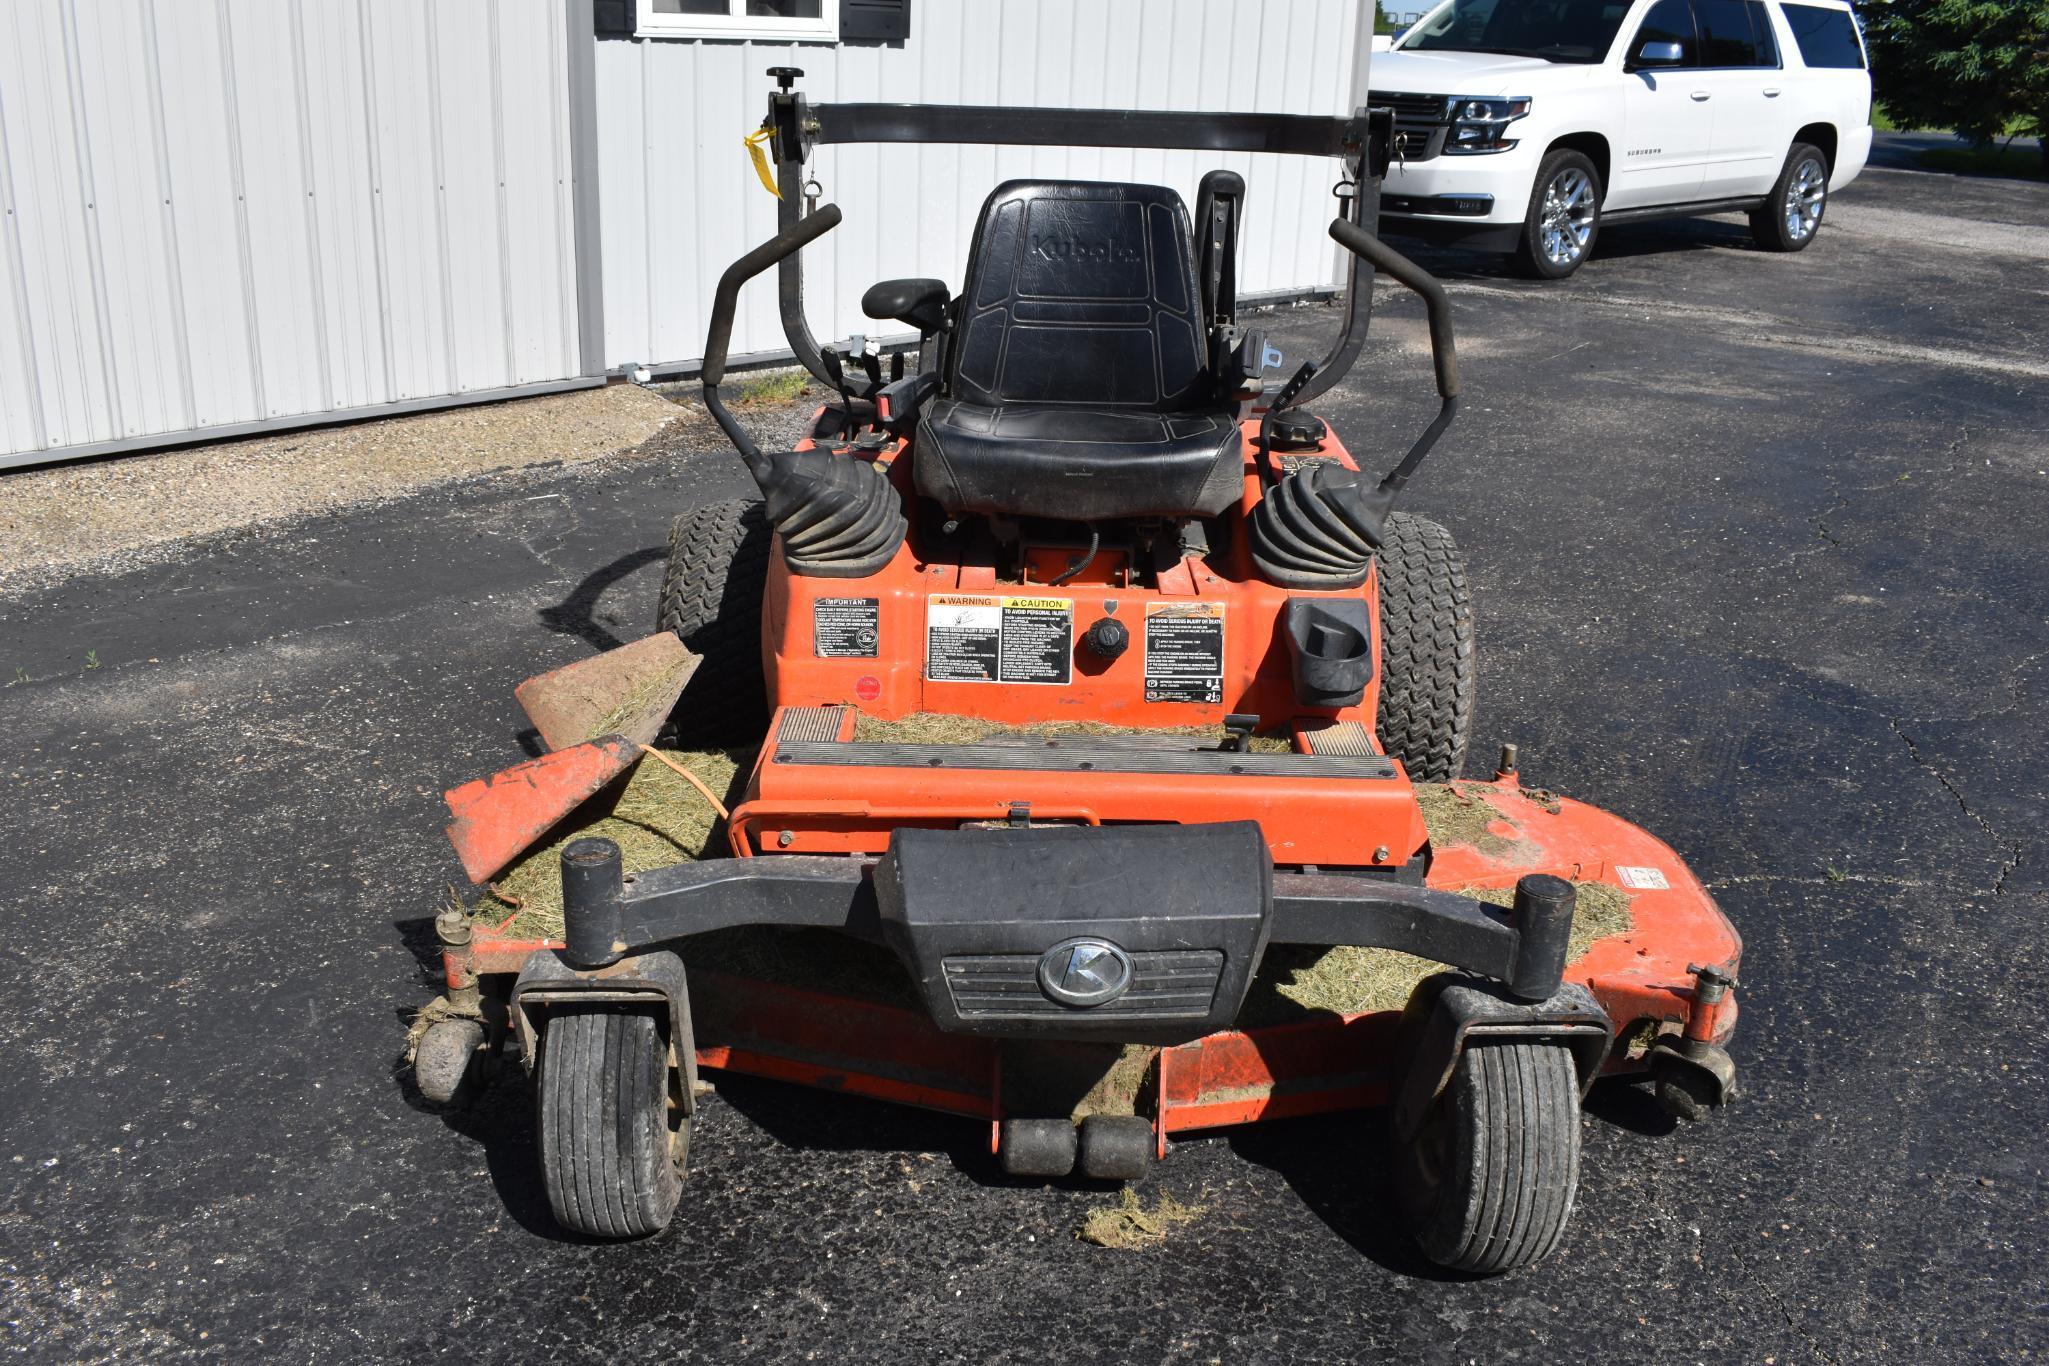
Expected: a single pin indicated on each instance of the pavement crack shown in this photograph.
(1765, 1288)
(2010, 849)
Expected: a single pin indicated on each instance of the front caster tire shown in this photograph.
(610, 1158)
(1791, 214)
(1563, 218)
(1487, 1183)
(448, 1059)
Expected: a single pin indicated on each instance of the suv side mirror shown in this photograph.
(921, 303)
(1655, 53)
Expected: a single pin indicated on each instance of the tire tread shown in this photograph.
(711, 598)
(602, 1111)
(1427, 662)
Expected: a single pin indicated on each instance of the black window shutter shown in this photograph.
(875, 21)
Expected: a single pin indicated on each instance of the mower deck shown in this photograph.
(873, 1040)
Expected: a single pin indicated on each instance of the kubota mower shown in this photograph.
(1103, 726)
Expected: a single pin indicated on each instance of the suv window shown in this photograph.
(1728, 34)
(1670, 21)
(1761, 25)
(1827, 36)
(1578, 31)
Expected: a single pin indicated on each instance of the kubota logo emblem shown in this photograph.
(1082, 249)
(1084, 972)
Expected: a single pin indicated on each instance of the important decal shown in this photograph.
(1294, 462)
(1643, 879)
(846, 628)
(1184, 652)
(970, 638)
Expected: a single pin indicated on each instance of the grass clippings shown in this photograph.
(433, 1013)
(1460, 813)
(1129, 1226)
(1356, 981)
(654, 815)
(940, 728)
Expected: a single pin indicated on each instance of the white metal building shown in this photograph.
(227, 216)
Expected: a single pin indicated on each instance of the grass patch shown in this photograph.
(771, 390)
(2004, 159)
(1128, 1225)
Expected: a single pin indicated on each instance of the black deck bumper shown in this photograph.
(1144, 934)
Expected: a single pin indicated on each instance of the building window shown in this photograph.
(775, 21)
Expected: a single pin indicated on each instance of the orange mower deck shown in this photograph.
(1643, 977)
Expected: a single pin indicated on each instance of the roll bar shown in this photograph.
(1361, 140)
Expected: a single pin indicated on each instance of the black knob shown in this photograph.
(785, 76)
(1107, 639)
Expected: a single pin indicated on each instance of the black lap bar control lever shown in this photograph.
(837, 515)
(1319, 528)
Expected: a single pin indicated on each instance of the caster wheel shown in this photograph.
(1487, 1182)
(446, 1056)
(1116, 1147)
(1036, 1147)
(612, 1145)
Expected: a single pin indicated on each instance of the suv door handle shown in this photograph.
(1771, 92)
(1700, 94)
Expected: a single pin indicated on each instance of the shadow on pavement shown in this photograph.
(1334, 1163)
(576, 615)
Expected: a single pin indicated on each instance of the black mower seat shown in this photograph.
(1078, 384)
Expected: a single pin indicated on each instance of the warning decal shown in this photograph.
(976, 639)
(1184, 652)
(1643, 879)
(845, 628)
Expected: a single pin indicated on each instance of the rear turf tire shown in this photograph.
(1487, 1185)
(711, 599)
(612, 1164)
(1427, 672)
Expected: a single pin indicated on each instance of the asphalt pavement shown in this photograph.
(1757, 545)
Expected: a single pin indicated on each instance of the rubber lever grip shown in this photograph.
(788, 242)
(1388, 261)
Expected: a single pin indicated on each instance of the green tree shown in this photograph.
(1381, 23)
(1978, 66)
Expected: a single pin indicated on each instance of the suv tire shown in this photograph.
(1563, 219)
(1790, 216)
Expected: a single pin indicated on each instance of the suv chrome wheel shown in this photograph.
(1568, 216)
(1805, 198)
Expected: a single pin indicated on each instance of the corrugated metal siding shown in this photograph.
(231, 211)
(679, 200)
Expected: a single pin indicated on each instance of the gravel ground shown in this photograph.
(130, 509)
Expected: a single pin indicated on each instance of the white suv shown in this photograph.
(1524, 125)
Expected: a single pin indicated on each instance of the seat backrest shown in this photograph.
(1080, 292)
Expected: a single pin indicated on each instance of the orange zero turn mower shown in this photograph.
(1204, 671)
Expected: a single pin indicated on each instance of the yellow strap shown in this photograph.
(753, 143)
